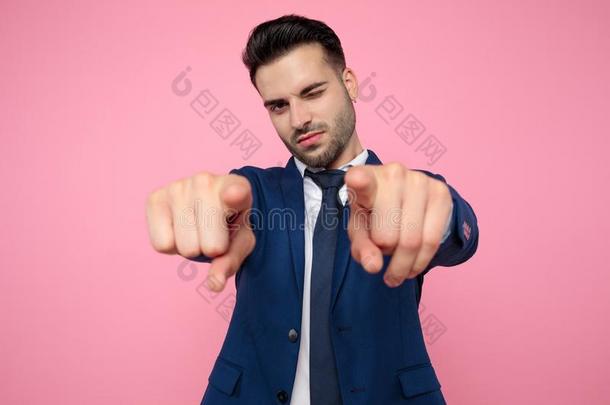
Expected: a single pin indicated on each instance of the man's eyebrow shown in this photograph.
(302, 93)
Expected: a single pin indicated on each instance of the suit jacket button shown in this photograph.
(293, 335)
(282, 396)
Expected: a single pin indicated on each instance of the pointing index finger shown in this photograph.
(235, 195)
(363, 183)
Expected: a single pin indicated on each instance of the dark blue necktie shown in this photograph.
(323, 380)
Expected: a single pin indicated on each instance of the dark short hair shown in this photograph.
(275, 38)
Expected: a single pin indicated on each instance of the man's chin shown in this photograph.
(315, 159)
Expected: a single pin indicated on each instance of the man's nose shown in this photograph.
(299, 115)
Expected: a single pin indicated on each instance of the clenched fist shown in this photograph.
(205, 213)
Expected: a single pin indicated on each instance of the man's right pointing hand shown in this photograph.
(207, 214)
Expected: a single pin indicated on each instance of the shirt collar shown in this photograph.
(360, 159)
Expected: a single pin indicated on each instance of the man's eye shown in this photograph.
(274, 106)
(315, 94)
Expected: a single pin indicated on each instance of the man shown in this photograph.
(328, 285)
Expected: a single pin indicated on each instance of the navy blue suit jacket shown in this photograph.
(376, 333)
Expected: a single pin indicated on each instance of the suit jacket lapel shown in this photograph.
(343, 256)
(291, 184)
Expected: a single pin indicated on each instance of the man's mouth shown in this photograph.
(309, 138)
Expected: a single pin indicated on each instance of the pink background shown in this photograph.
(517, 93)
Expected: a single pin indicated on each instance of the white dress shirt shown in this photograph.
(313, 201)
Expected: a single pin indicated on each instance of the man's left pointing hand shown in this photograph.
(398, 211)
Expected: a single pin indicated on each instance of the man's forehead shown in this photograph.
(293, 72)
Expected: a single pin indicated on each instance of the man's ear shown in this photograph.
(350, 81)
